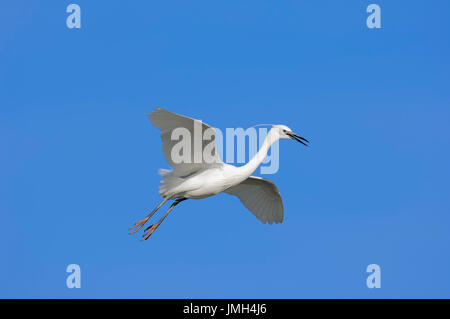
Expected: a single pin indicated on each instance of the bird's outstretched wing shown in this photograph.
(201, 153)
(261, 197)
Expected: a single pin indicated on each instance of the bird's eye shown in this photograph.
(284, 131)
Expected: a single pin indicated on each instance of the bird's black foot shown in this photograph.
(149, 231)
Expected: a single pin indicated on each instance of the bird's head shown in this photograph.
(285, 132)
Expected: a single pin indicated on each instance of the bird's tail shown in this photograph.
(169, 181)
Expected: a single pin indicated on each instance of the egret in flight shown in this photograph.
(203, 178)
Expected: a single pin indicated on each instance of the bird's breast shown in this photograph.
(210, 183)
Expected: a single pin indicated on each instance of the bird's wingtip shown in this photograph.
(155, 111)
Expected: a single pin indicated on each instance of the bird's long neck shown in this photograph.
(252, 165)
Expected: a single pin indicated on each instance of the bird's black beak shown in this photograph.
(298, 138)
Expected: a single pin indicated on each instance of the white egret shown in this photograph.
(200, 179)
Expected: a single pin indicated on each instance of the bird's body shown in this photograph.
(205, 177)
(206, 182)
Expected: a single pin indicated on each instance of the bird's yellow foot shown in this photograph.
(139, 225)
(149, 230)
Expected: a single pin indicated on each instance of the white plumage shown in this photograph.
(261, 197)
(203, 176)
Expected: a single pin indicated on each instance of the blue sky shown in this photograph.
(79, 158)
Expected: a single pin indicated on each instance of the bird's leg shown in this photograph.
(141, 223)
(149, 230)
